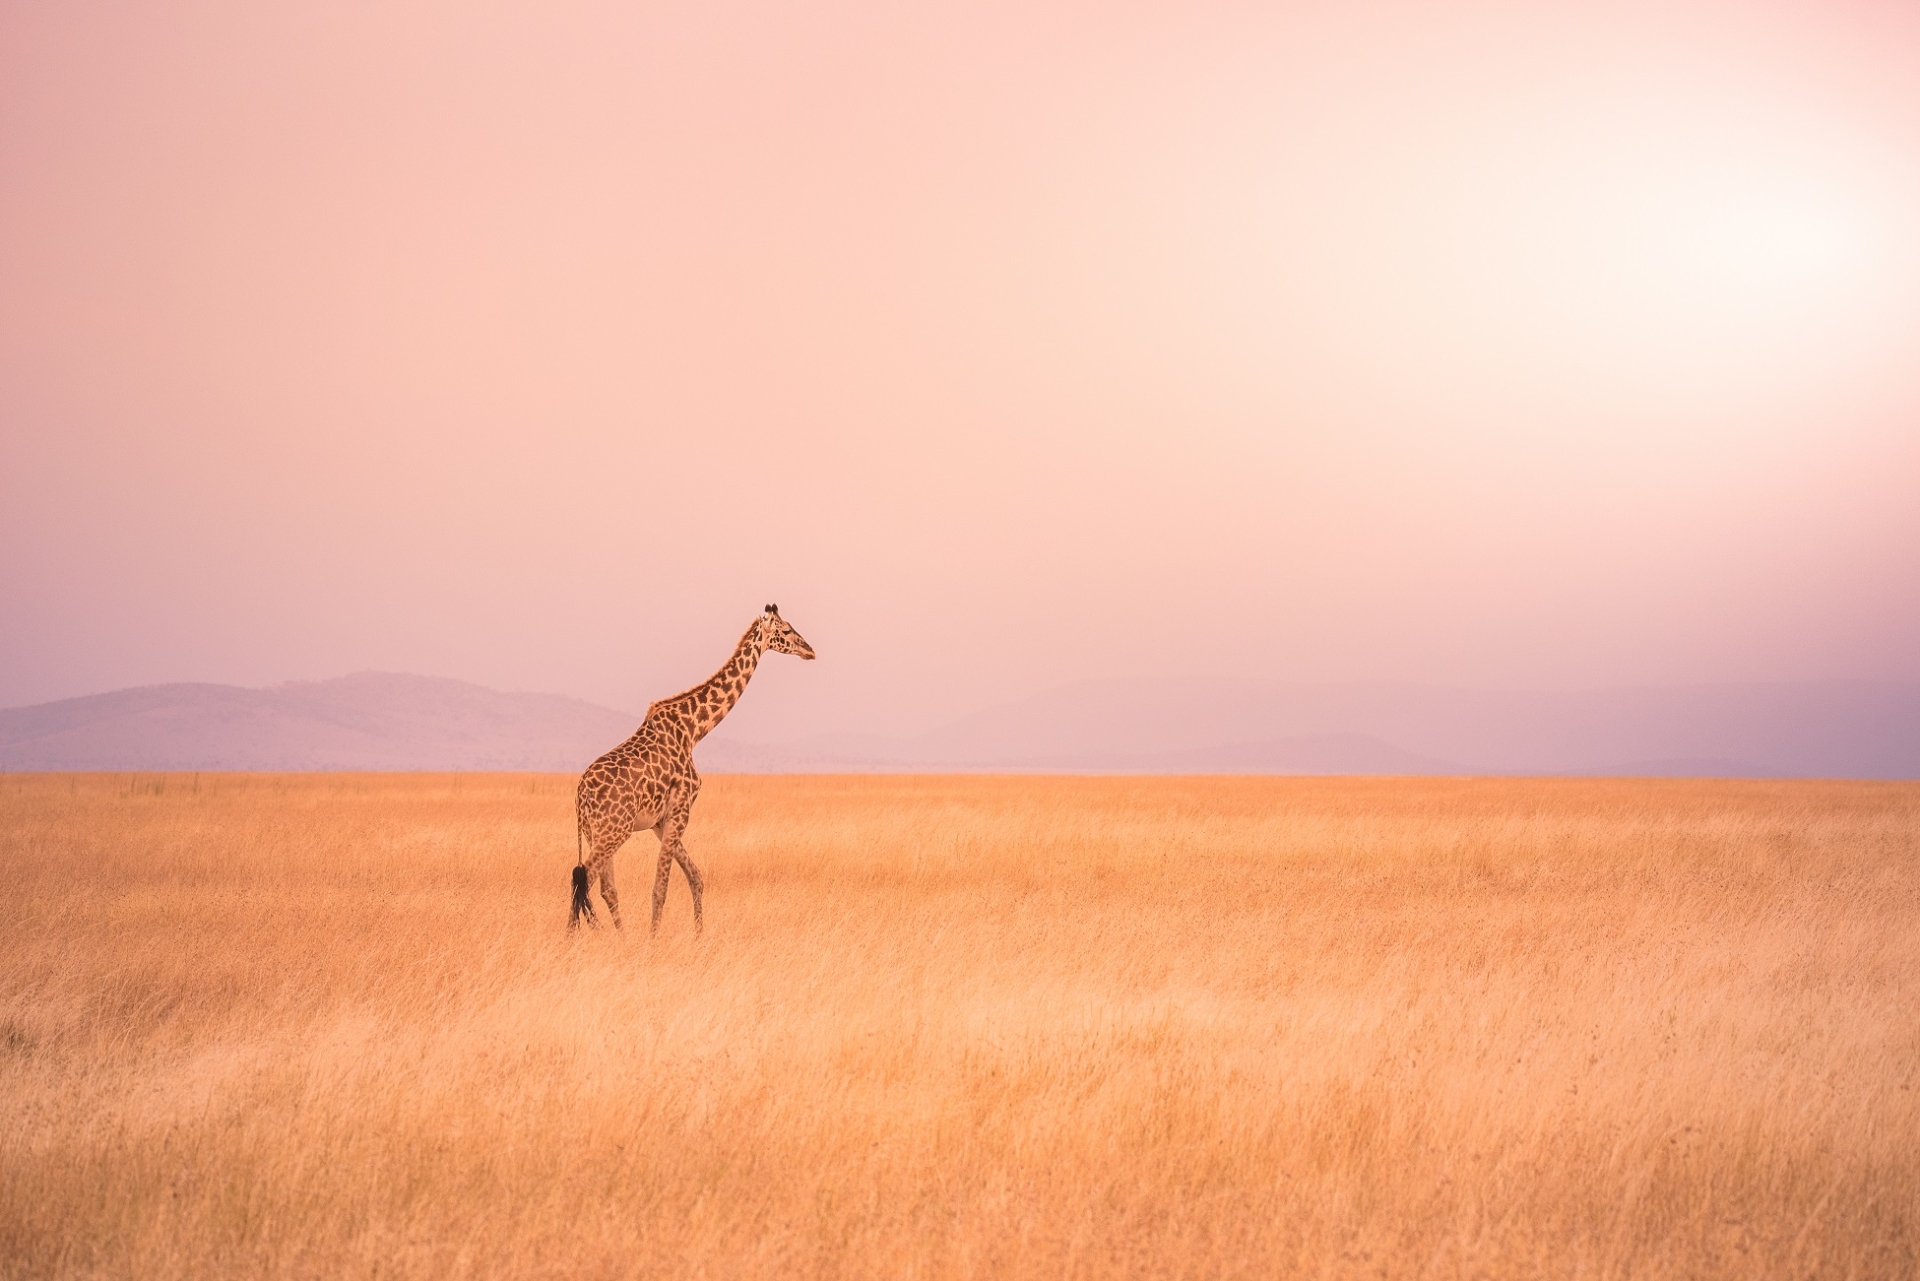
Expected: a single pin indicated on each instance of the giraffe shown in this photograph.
(649, 783)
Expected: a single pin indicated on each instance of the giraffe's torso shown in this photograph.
(632, 787)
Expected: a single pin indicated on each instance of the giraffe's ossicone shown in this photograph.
(648, 783)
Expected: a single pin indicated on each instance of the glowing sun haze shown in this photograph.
(1001, 344)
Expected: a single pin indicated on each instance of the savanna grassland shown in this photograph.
(333, 1026)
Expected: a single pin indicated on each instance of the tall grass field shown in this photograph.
(335, 1026)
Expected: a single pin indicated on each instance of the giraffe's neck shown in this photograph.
(709, 702)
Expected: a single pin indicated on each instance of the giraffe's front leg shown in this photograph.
(694, 882)
(671, 846)
(660, 885)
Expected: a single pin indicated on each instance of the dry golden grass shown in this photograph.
(940, 1027)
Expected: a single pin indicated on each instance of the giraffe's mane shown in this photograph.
(689, 693)
(681, 697)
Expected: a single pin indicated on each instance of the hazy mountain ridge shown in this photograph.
(1827, 729)
(379, 721)
(1847, 729)
(1303, 754)
(371, 721)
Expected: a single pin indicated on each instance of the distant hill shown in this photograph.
(1832, 729)
(370, 721)
(375, 721)
(1301, 754)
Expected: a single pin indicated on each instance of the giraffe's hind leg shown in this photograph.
(607, 890)
(600, 868)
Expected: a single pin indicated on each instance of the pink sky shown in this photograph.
(540, 345)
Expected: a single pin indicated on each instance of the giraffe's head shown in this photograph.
(780, 636)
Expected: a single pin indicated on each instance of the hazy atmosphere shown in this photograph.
(1510, 346)
(1296, 628)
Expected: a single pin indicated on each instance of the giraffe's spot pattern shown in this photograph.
(648, 783)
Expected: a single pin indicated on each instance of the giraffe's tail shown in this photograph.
(582, 905)
(582, 901)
